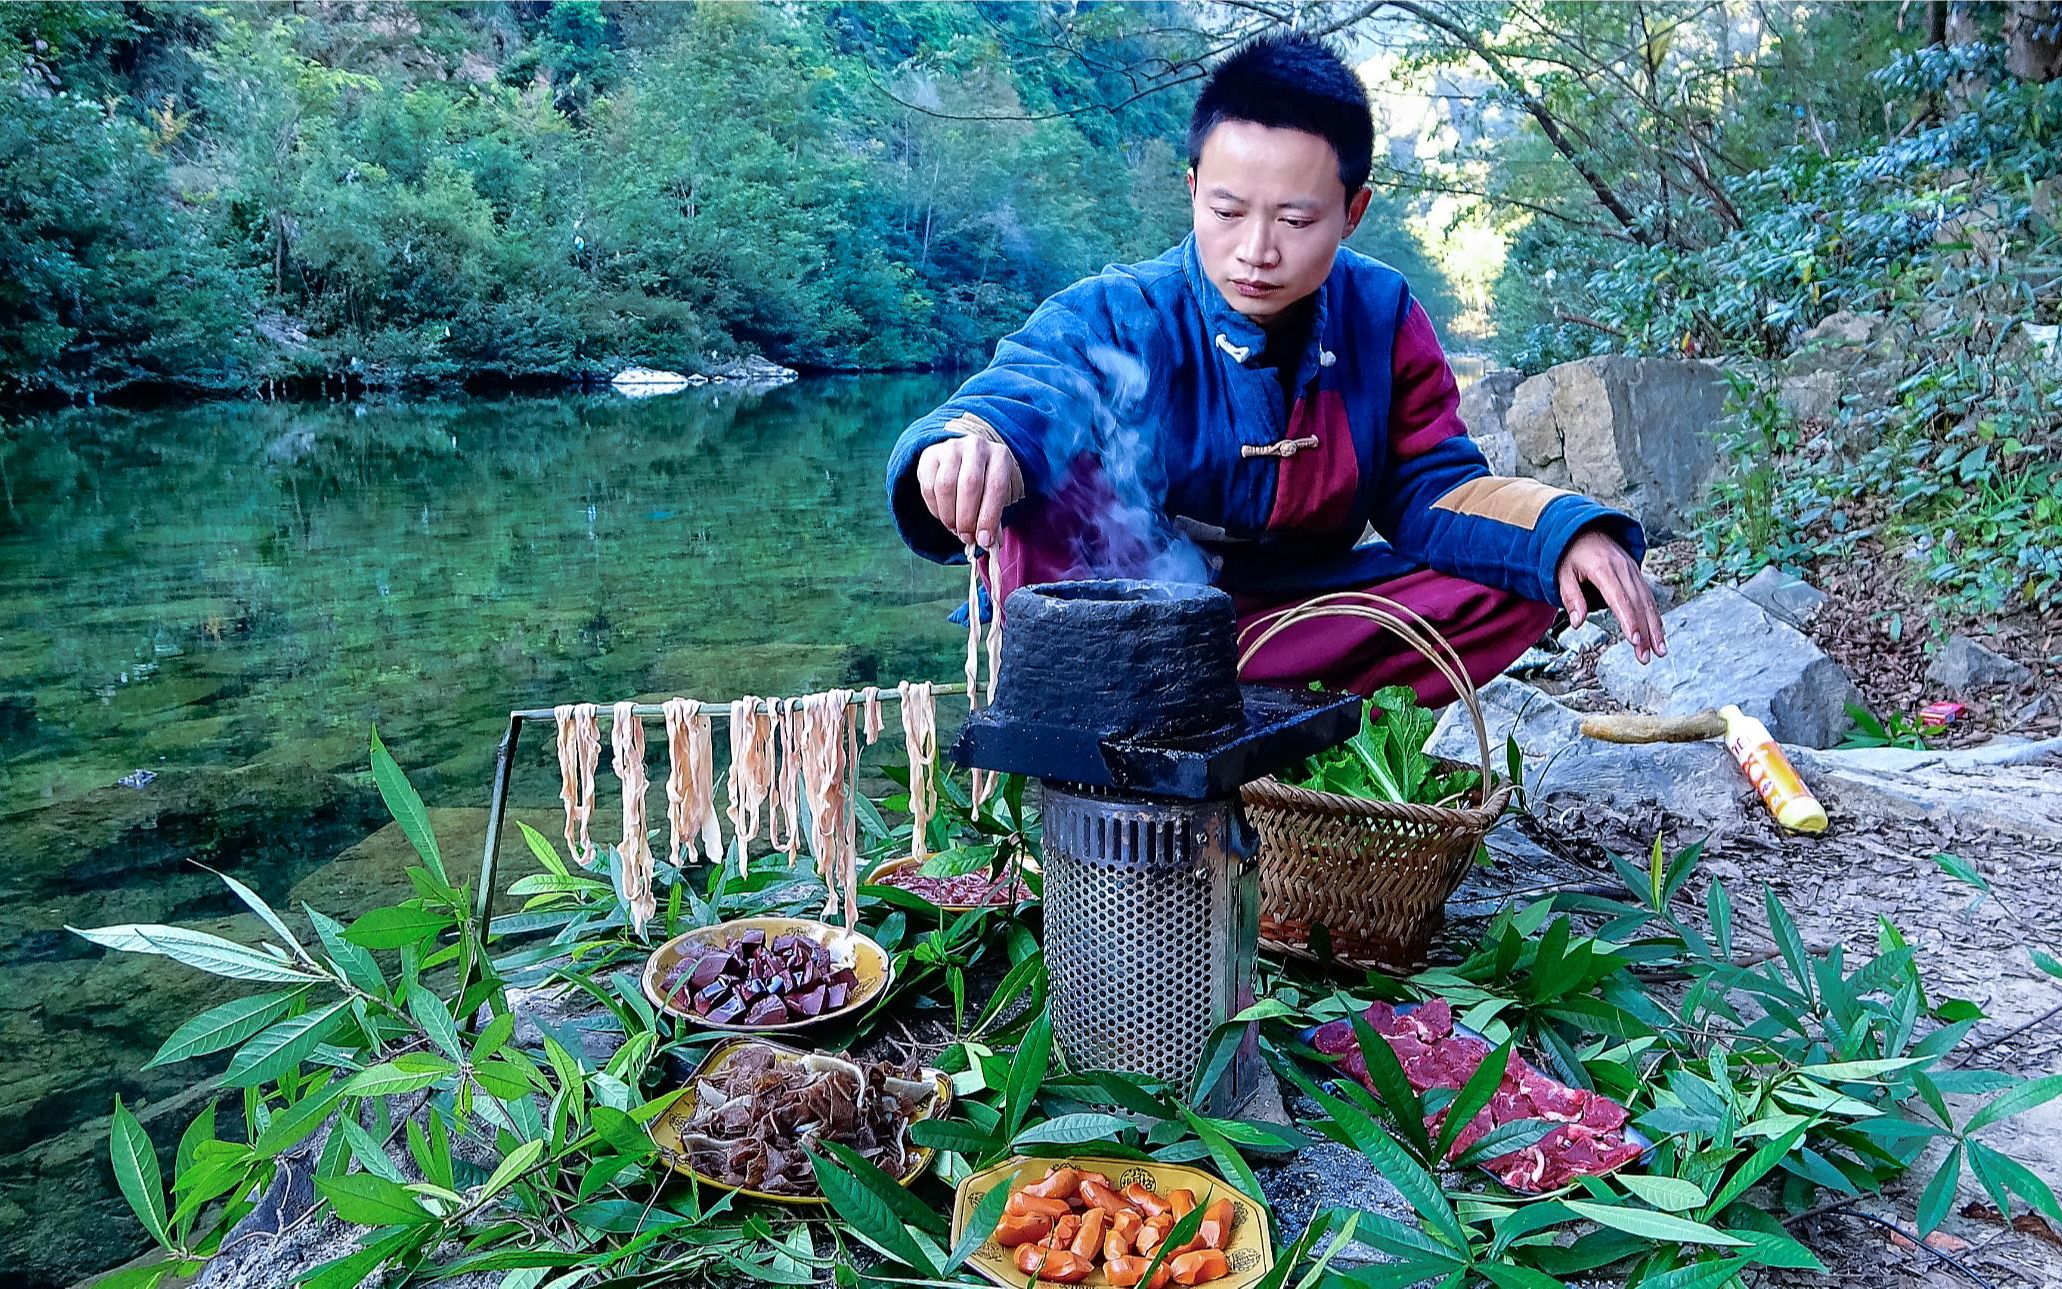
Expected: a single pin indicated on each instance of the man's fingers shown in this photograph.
(1572, 598)
(1626, 608)
(1653, 612)
(937, 479)
(972, 475)
(994, 496)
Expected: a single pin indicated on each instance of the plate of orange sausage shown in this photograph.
(1103, 1222)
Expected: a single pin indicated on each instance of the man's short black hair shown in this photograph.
(1291, 81)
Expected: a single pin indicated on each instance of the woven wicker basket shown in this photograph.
(1375, 875)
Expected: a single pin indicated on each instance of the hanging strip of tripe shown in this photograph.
(920, 736)
(690, 782)
(633, 852)
(579, 753)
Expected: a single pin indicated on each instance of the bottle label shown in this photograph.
(1770, 772)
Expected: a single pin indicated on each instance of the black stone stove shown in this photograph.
(1134, 686)
(1122, 698)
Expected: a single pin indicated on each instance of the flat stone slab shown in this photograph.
(1724, 648)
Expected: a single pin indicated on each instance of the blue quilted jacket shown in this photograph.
(1145, 377)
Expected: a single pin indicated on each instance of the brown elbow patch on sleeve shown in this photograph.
(1517, 502)
(970, 424)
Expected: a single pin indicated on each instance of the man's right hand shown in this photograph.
(966, 482)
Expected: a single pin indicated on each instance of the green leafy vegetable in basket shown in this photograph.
(1386, 760)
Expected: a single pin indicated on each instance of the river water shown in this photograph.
(229, 597)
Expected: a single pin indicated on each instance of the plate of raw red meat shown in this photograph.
(1591, 1136)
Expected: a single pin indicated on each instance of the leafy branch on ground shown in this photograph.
(1765, 1079)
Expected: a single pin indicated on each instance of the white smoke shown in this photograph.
(1133, 536)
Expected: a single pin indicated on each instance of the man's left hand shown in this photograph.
(1593, 559)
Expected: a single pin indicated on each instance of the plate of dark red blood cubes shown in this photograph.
(961, 894)
(1590, 1138)
(764, 975)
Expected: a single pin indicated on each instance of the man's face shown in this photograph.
(1269, 214)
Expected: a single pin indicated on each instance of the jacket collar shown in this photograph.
(1241, 339)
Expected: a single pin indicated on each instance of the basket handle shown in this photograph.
(1412, 629)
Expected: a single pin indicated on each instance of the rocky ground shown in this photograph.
(1990, 792)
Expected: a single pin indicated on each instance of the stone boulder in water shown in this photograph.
(644, 382)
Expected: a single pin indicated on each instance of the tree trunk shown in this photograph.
(2033, 39)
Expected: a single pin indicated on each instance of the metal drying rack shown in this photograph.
(504, 764)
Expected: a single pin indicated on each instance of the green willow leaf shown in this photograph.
(198, 949)
(1940, 1192)
(888, 1190)
(356, 964)
(980, 1225)
(396, 927)
(280, 1048)
(1473, 1096)
(367, 1200)
(136, 1172)
(1391, 1085)
(2019, 1100)
(1758, 1165)
(1027, 1073)
(1072, 1129)
(389, 1079)
(291, 1126)
(519, 1161)
(407, 808)
(1649, 1225)
(871, 1219)
(224, 1026)
(1669, 1194)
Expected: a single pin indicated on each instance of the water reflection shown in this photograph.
(230, 596)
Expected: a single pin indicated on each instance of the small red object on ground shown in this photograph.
(1941, 715)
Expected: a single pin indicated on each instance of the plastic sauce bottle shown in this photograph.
(1771, 773)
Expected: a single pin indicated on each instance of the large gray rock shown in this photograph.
(1852, 358)
(2011, 789)
(1792, 599)
(1635, 433)
(1964, 664)
(1696, 781)
(1724, 648)
(1483, 405)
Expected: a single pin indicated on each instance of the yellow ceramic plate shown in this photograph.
(666, 1129)
(910, 861)
(1250, 1253)
(868, 960)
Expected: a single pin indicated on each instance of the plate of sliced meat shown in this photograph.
(1591, 1136)
(753, 1111)
(961, 894)
(765, 975)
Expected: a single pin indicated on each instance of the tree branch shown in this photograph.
(1548, 126)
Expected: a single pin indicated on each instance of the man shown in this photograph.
(1241, 409)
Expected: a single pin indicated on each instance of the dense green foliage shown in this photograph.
(211, 197)
(1744, 178)
(457, 1148)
